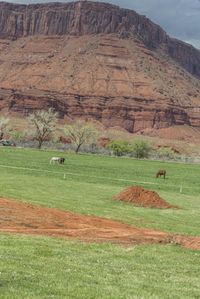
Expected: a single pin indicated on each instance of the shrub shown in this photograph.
(166, 152)
(141, 149)
(119, 147)
(18, 135)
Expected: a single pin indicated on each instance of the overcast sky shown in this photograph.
(180, 18)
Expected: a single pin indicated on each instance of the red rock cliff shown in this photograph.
(77, 18)
(83, 17)
(95, 60)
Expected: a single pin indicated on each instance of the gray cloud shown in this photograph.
(180, 18)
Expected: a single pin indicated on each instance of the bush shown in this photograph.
(119, 147)
(141, 149)
(18, 135)
(166, 152)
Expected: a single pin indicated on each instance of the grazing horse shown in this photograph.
(58, 160)
(160, 173)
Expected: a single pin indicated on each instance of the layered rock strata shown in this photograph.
(96, 61)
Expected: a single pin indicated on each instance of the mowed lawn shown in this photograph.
(36, 267)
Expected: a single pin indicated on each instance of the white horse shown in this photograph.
(54, 160)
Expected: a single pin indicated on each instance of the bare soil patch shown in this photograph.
(143, 198)
(23, 218)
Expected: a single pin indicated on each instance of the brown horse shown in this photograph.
(160, 173)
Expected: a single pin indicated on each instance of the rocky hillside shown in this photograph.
(95, 60)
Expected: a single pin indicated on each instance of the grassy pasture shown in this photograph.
(36, 267)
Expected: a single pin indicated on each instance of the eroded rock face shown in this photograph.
(77, 18)
(96, 61)
(129, 115)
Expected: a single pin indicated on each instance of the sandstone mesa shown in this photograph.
(96, 61)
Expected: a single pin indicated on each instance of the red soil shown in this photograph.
(23, 218)
(143, 198)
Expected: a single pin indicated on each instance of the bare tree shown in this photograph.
(43, 125)
(4, 124)
(80, 133)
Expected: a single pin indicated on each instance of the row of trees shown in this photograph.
(43, 124)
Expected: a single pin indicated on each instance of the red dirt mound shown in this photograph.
(143, 198)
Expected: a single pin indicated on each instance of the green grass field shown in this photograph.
(37, 267)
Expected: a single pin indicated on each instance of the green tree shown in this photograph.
(81, 132)
(4, 126)
(43, 124)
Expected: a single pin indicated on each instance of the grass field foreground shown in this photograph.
(37, 268)
(41, 267)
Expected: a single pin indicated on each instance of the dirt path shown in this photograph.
(17, 217)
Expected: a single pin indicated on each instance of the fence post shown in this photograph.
(181, 188)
